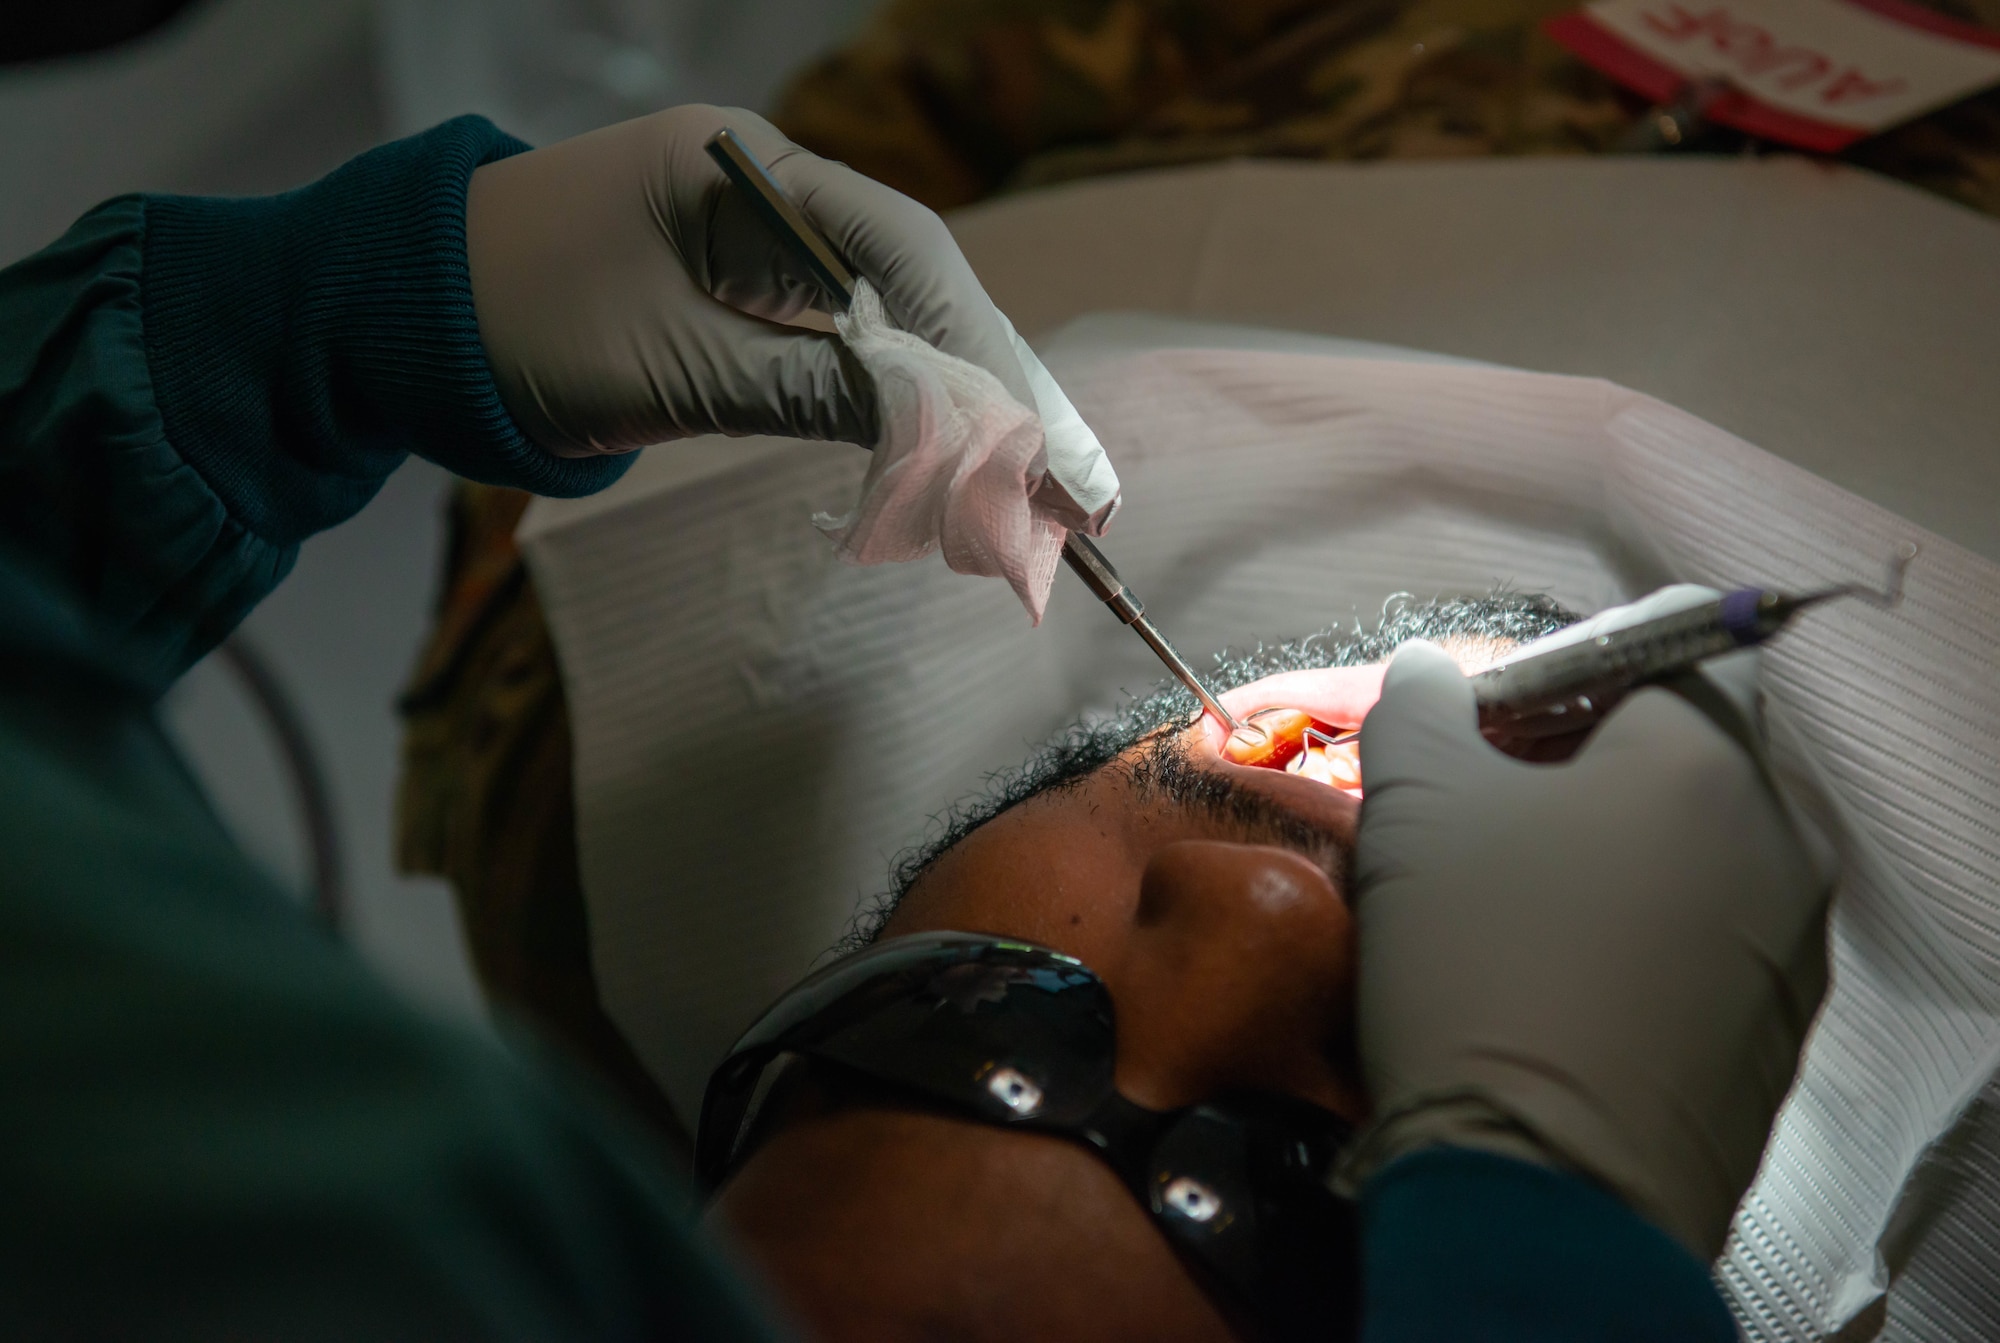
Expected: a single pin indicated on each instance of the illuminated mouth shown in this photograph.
(1294, 741)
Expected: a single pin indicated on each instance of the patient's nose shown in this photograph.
(1239, 975)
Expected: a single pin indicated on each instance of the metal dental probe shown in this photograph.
(1097, 574)
(1566, 689)
(755, 181)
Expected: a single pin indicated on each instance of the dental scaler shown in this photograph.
(1566, 688)
(824, 264)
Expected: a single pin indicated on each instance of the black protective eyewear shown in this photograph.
(1021, 1036)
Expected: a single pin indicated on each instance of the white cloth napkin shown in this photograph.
(963, 467)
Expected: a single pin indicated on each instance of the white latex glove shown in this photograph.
(627, 295)
(1081, 490)
(1608, 964)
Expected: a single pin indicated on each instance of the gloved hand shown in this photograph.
(625, 297)
(1608, 964)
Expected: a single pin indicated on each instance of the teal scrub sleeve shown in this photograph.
(190, 387)
(215, 1123)
(1469, 1245)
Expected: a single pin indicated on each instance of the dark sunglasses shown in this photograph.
(1019, 1036)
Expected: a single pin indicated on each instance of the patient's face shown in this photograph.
(1208, 895)
(1210, 898)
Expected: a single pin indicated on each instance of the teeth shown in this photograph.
(1271, 739)
(1292, 740)
(1336, 767)
(1343, 766)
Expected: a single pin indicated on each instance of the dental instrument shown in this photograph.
(751, 177)
(1565, 689)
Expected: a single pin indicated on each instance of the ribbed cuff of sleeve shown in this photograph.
(301, 344)
(1462, 1244)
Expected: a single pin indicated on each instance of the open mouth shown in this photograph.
(1291, 739)
(1300, 724)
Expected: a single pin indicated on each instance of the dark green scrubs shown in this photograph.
(214, 1122)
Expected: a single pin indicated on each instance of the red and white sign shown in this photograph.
(1819, 74)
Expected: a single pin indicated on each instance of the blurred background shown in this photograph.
(249, 96)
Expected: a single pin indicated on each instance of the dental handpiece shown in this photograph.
(812, 251)
(1567, 688)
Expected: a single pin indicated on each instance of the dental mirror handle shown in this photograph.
(812, 251)
(793, 229)
(1089, 564)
